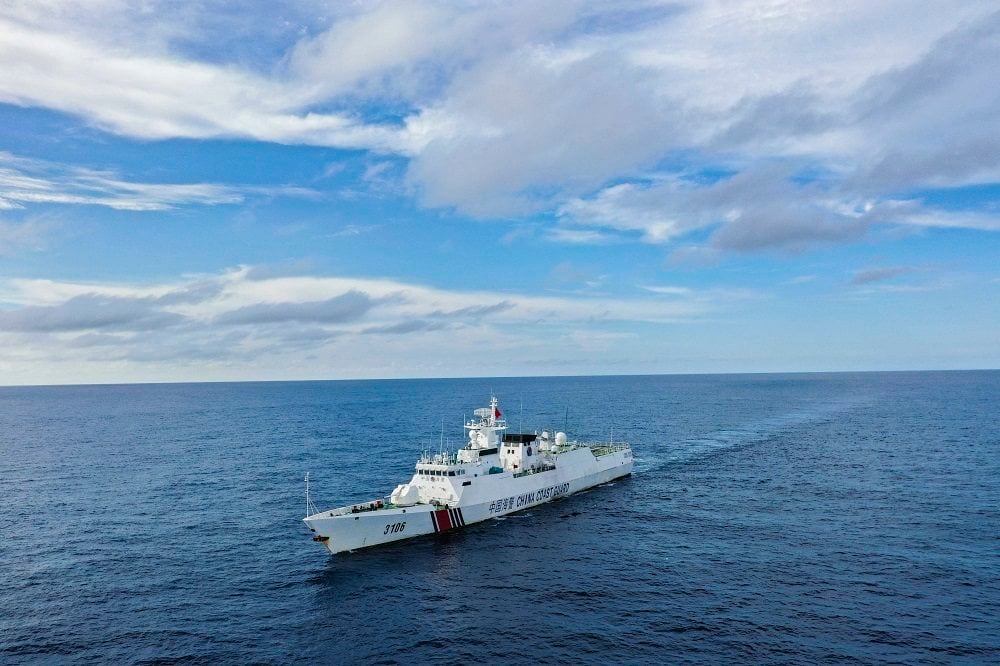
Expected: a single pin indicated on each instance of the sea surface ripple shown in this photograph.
(804, 518)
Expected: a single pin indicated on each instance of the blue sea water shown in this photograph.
(842, 518)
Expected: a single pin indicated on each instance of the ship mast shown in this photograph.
(484, 433)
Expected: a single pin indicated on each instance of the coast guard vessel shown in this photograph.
(494, 474)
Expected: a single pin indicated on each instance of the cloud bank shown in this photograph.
(244, 321)
(815, 121)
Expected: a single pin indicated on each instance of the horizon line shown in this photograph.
(404, 379)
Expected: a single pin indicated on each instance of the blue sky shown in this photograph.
(400, 189)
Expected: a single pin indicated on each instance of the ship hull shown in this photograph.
(487, 496)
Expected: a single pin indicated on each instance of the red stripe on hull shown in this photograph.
(443, 519)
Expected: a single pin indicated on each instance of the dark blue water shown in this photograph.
(771, 519)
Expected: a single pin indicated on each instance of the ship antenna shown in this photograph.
(520, 414)
(566, 423)
(441, 446)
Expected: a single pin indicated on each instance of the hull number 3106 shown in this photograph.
(395, 527)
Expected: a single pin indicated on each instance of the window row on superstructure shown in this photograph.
(441, 472)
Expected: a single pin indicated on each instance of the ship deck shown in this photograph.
(604, 449)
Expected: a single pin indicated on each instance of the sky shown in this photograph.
(307, 190)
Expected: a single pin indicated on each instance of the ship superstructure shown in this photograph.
(495, 473)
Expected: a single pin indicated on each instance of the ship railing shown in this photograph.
(605, 448)
(362, 507)
(439, 459)
(534, 470)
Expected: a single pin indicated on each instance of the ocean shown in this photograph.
(771, 518)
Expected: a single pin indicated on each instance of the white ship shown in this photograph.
(496, 473)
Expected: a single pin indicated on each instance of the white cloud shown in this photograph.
(631, 207)
(351, 230)
(26, 181)
(568, 107)
(871, 275)
(983, 221)
(580, 236)
(28, 235)
(159, 97)
(761, 207)
(239, 291)
(725, 82)
(667, 290)
(380, 49)
(554, 128)
(261, 321)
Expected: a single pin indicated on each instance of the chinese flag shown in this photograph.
(496, 413)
